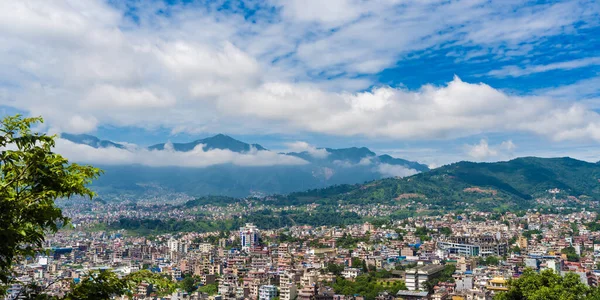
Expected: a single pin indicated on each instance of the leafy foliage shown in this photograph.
(549, 286)
(367, 285)
(106, 284)
(264, 219)
(489, 261)
(31, 178)
(571, 253)
(348, 242)
(210, 289)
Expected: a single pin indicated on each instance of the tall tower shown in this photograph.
(249, 236)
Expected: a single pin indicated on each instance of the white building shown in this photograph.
(351, 272)
(173, 245)
(205, 247)
(267, 292)
(416, 277)
(249, 236)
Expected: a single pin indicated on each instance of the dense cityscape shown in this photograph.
(452, 256)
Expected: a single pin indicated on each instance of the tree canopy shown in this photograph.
(32, 177)
(547, 285)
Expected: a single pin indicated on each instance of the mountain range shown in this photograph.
(331, 167)
(350, 175)
(508, 185)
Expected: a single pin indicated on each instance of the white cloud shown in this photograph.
(79, 124)
(365, 161)
(82, 64)
(125, 98)
(583, 89)
(163, 158)
(508, 146)
(332, 12)
(516, 71)
(395, 170)
(455, 110)
(484, 151)
(300, 146)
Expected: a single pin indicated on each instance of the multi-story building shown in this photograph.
(417, 276)
(351, 272)
(173, 245)
(267, 292)
(249, 236)
(497, 284)
(473, 246)
(287, 287)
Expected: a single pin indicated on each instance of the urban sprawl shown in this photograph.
(468, 255)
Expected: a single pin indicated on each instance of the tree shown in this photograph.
(547, 285)
(32, 177)
(571, 253)
(210, 289)
(106, 284)
(489, 261)
(335, 269)
(188, 284)
(445, 231)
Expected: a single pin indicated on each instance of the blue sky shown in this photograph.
(432, 81)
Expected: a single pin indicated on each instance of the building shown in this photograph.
(412, 295)
(267, 292)
(522, 242)
(417, 276)
(249, 236)
(173, 245)
(486, 245)
(407, 251)
(176, 246)
(497, 284)
(287, 287)
(351, 272)
(205, 247)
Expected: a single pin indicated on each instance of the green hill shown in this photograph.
(511, 184)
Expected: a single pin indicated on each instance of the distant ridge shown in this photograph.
(357, 155)
(334, 166)
(219, 141)
(499, 185)
(90, 140)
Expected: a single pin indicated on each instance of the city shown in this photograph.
(452, 256)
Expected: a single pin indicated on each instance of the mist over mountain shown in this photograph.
(320, 168)
(219, 141)
(506, 185)
(90, 140)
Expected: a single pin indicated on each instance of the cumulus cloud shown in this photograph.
(454, 110)
(300, 146)
(82, 64)
(395, 170)
(168, 157)
(484, 151)
(481, 150)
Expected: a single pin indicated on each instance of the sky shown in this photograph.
(431, 81)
